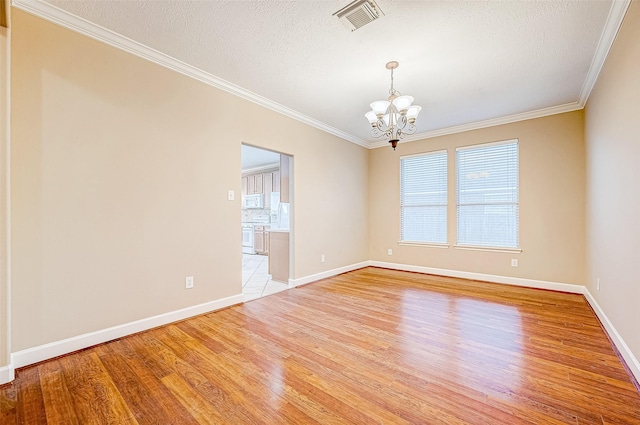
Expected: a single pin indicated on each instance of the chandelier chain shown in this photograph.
(393, 91)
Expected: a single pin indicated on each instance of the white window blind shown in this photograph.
(487, 195)
(423, 198)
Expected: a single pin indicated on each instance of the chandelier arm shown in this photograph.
(398, 122)
(402, 121)
(409, 129)
(381, 129)
(377, 132)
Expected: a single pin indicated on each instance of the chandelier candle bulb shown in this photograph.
(395, 117)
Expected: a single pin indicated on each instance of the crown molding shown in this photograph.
(607, 38)
(612, 26)
(65, 19)
(538, 113)
(261, 169)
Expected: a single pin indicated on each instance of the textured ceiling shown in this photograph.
(463, 61)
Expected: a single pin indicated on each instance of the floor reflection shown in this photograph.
(462, 340)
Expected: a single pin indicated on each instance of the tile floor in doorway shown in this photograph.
(256, 280)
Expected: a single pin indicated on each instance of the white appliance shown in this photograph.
(247, 239)
(283, 215)
(275, 206)
(253, 201)
(279, 212)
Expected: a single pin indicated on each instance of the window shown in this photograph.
(423, 198)
(487, 194)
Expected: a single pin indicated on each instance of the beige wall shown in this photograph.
(4, 144)
(552, 185)
(120, 171)
(612, 136)
(330, 196)
(120, 175)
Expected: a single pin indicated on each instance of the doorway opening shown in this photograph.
(266, 221)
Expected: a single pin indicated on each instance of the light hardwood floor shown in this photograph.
(369, 346)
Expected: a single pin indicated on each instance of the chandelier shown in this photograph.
(395, 117)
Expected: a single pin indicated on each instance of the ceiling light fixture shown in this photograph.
(395, 117)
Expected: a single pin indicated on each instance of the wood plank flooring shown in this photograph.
(372, 346)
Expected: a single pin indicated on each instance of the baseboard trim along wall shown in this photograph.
(293, 283)
(6, 374)
(623, 348)
(58, 348)
(516, 281)
(69, 345)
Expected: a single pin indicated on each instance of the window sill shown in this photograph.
(425, 244)
(487, 248)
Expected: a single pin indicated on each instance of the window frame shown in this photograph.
(445, 205)
(464, 246)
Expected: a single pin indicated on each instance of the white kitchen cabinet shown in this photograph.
(254, 184)
(245, 182)
(267, 183)
(261, 239)
(261, 183)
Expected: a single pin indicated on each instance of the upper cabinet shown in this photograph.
(265, 183)
(245, 183)
(255, 184)
(252, 184)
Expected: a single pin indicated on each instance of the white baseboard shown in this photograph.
(6, 374)
(54, 349)
(57, 348)
(69, 345)
(506, 280)
(323, 275)
(623, 348)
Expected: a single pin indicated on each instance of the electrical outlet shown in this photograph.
(322, 258)
(231, 195)
(389, 251)
(598, 284)
(188, 282)
(514, 262)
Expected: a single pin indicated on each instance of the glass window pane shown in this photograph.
(423, 198)
(487, 195)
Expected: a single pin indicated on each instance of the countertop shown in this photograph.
(271, 226)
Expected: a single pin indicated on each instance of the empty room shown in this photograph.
(319, 212)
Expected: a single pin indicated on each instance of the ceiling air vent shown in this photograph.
(359, 13)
